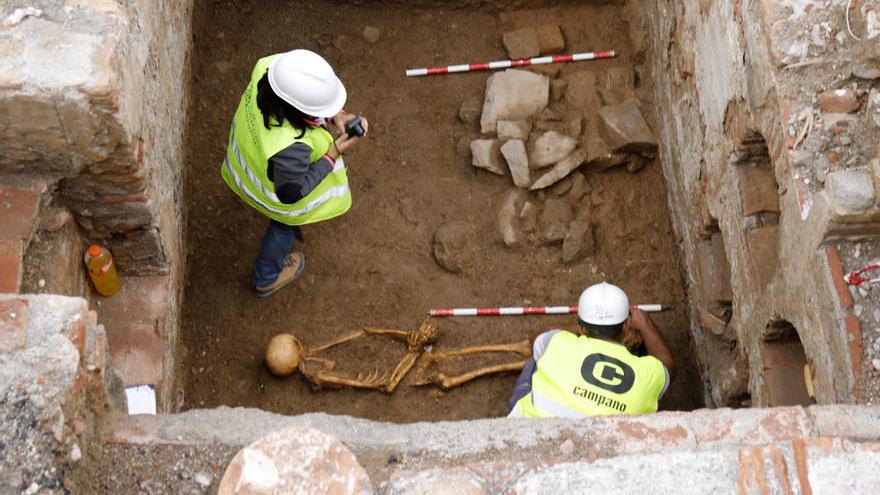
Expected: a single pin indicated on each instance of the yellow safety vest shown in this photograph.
(247, 160)
(580, 376)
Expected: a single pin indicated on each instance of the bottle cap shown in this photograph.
(94, 250)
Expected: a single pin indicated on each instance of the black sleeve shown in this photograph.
(293, 175)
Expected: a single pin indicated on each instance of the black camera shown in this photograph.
(354, 128)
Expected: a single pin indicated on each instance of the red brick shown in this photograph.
(799, 452)
(139, 299)
(10, 265)
(18, 212)
(14, 315)
(840, 101)
(782, 355)
(786, 386)
(854, 341)
(136, 352)
(843, 295)
(757, 189)
(753, 475)
(764, 254)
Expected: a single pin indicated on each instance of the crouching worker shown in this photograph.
(591, 373)
(282, 160)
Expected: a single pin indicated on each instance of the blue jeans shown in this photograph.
(277, 244)
(523, 384)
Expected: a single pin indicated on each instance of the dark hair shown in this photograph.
(606, 331)
(273, 106)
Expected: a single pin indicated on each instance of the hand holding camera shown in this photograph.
(355, 128)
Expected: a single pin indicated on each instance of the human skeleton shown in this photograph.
(419, 353)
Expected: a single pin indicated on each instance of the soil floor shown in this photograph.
(374, 266)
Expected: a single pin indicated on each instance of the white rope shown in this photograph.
(848, 28)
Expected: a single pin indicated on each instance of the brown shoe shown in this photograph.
(292, 266)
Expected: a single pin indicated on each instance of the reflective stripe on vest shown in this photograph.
(333, 192)
(251, 145)
(555, 409)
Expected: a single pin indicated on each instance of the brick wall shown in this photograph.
(723, 71)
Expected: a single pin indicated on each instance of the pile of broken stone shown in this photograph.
(546, 131)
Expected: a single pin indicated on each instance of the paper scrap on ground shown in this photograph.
(141, 399)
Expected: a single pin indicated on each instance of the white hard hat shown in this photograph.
(307, 82)
(603, 304)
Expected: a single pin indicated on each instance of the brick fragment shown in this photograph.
(18, 212)
(840, 101)
(14, 315)
(757, 189)
(550, 39)
(764, 254)
(139, 299)
(836, 269)
(522, 43)
(10, 265)
(854, 343)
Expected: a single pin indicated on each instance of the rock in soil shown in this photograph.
(561, 188)
(371, 34)
(551, 147)
(581, 91)
(625, 128)
(522, 43)
(514, 152)
(579, 187)
(550, 39)
(487, 155)
(560, 170)
(528, 217)
(636, 163)
(295, 460)
(557, 89)
(840, 101)
(619, 78)
(507, 219)
(554, 220)
(513, 95)
(514, 129)
(454, 244)
(578, 242)
(469, 111)
(850, 191)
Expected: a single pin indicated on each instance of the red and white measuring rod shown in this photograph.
(518, 311)
(504, 64)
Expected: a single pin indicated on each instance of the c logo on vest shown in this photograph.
(615, 376)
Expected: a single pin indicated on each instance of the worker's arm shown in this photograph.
(653, 341)
(293, 175)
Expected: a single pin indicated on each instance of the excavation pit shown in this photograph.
(373, 267)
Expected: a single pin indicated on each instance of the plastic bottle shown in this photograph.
(102, 271)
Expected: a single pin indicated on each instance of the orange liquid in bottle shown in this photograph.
(102, 271)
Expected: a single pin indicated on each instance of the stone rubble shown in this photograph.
(513, 95)
(514, 152)
(297, 460)
(487, 155)
(453, 246)
(507, 220)
(550, 148)
(560, 170)
(625, 128)
(514, 129)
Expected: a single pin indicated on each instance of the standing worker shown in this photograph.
(283, 161)
(591, 373)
